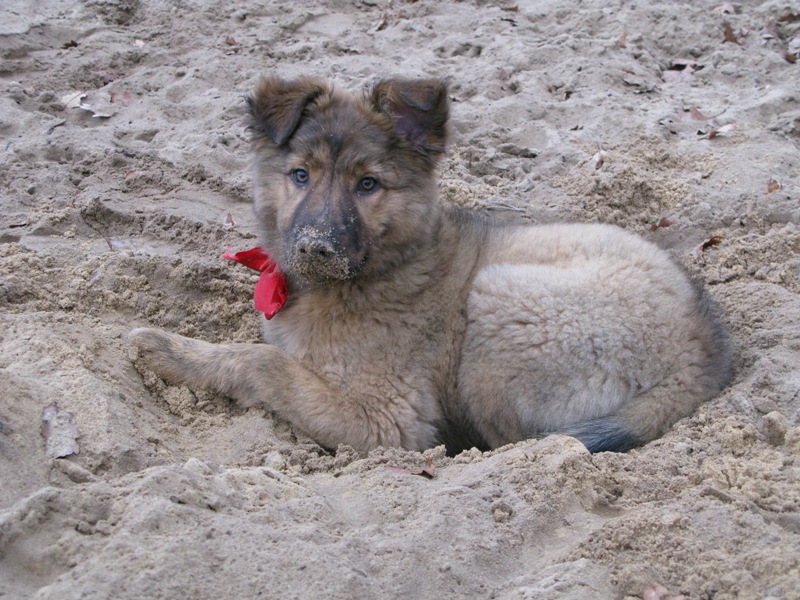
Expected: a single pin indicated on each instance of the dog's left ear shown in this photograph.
(418, 109)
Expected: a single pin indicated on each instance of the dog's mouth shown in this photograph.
(315, 271)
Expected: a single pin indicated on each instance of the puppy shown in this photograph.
(409, 323)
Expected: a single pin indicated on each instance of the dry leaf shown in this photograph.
(100, 107)
(789, 18)
(664, 222)
(773, 186)
(72, 99)
(59, 432)
(70, 44)
(730, 36)
(231, 41)
(712, 241)
(709, 243)
(622, 40)
(97, 111)
(132, 175)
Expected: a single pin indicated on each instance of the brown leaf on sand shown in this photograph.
(730, 36)
(789, 18)
(773, 186)
(656, 591)
(231, 41)
(662, 223)
(623, 40)
(709, 243)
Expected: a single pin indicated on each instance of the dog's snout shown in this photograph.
(318, 258)
(315, 247)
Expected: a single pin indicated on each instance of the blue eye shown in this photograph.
(367, 185)
(299, 177)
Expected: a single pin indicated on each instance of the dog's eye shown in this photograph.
(367, 185)
(300, 177)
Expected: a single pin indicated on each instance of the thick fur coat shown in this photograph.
(410, 324)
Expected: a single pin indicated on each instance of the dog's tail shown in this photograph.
(604, 434)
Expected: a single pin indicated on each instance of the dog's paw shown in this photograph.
(148, 341)
(158, 350)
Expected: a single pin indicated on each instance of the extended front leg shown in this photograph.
(264, 374)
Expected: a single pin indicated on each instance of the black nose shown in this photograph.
(314, 247)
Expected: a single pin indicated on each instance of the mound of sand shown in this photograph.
(124, 172)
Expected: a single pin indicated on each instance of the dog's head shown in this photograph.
(345, 186)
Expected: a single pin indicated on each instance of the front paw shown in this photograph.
(149, 342)
(162, 352)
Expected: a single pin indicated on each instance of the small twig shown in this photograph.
(59, 124)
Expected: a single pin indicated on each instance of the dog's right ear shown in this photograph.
(277, 105)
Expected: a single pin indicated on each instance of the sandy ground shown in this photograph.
(124, 175)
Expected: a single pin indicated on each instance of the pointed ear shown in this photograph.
(418, 109)
(277, 105)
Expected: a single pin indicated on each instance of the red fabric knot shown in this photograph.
(270, 294)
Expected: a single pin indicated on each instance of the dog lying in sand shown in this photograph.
(409, 323)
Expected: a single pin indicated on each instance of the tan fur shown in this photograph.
(409, 324)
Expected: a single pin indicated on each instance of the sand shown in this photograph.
(124, 176)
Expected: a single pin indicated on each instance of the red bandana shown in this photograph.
(270, 295)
